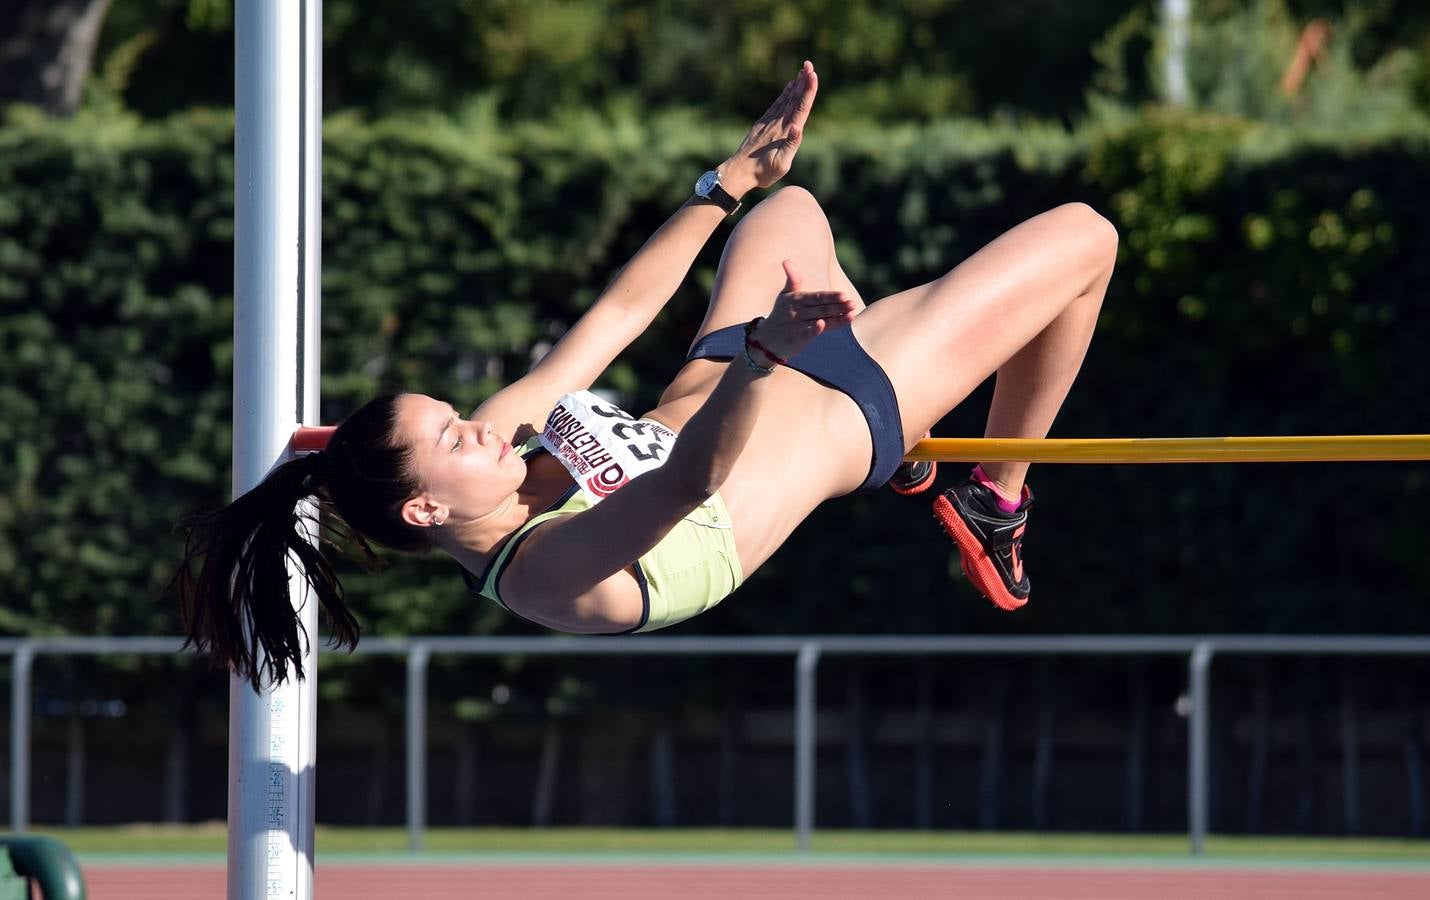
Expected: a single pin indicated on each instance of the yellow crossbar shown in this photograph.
(1320, 448)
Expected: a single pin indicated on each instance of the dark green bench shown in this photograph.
(43, 861)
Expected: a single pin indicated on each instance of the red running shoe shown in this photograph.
(912, 478)
(990, 541)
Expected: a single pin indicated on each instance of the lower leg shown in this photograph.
(1031, 386)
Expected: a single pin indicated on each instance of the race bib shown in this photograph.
(602, 445)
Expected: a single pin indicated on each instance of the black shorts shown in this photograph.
(836, 359)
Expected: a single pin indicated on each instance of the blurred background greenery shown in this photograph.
(921, 60)
(489, 165)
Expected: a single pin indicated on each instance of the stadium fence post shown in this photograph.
(20, 677)
(417, 657)
(1198, 729)
(805, 739)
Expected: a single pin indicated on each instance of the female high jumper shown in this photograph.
(570, 513)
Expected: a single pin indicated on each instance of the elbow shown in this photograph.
(689, 486)
(595, 613)
(620, 614)
(689, 491)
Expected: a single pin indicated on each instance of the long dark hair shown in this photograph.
(233, 581)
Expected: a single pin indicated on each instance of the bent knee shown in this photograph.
(792, 193)
(1093, 227)
(789, 224)
(792, 210)
(793, 200)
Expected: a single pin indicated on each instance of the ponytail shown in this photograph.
(233, 581)
(238, 602)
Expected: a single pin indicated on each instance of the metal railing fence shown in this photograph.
(807, 651)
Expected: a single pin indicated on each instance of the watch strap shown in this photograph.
(721, 198)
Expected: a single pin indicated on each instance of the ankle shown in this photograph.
(1009, 497)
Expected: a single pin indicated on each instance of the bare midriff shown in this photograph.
(803, 435)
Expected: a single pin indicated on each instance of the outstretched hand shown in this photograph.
(800, 316)
(769, 147)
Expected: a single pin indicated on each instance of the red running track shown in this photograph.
(443, 881)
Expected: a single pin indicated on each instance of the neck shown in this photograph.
(473, 543)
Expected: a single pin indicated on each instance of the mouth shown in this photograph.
(505, 449)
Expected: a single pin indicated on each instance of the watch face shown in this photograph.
(706, 182)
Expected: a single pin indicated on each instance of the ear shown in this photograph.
(423, 512)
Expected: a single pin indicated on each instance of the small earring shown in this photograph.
(437, 522)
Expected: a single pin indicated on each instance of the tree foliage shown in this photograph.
(891, 62)
(1366, 72)
(533, 57)
(1268, 284)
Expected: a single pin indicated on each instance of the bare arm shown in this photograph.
(619, 315)
(642, 288)
(562, 575)
(565, 575)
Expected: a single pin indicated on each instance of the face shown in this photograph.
(468, 469)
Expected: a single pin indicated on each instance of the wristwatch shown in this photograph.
(708, 188)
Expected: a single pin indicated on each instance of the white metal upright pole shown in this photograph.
(1176, 27)
(277, 111)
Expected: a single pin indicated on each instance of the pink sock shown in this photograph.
(1004, 504)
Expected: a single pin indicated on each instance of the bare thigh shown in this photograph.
(940, 340)
(936, 342)
(789, 225)
(811, 442)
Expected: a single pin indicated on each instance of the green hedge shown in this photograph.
(1269, 282)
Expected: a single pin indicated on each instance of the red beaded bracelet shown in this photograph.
(750, 341)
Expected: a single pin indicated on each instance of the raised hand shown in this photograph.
(799, 316)
(769, 147)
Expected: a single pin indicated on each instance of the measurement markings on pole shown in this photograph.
(279, 841)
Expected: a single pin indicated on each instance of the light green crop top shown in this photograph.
(694, 566)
